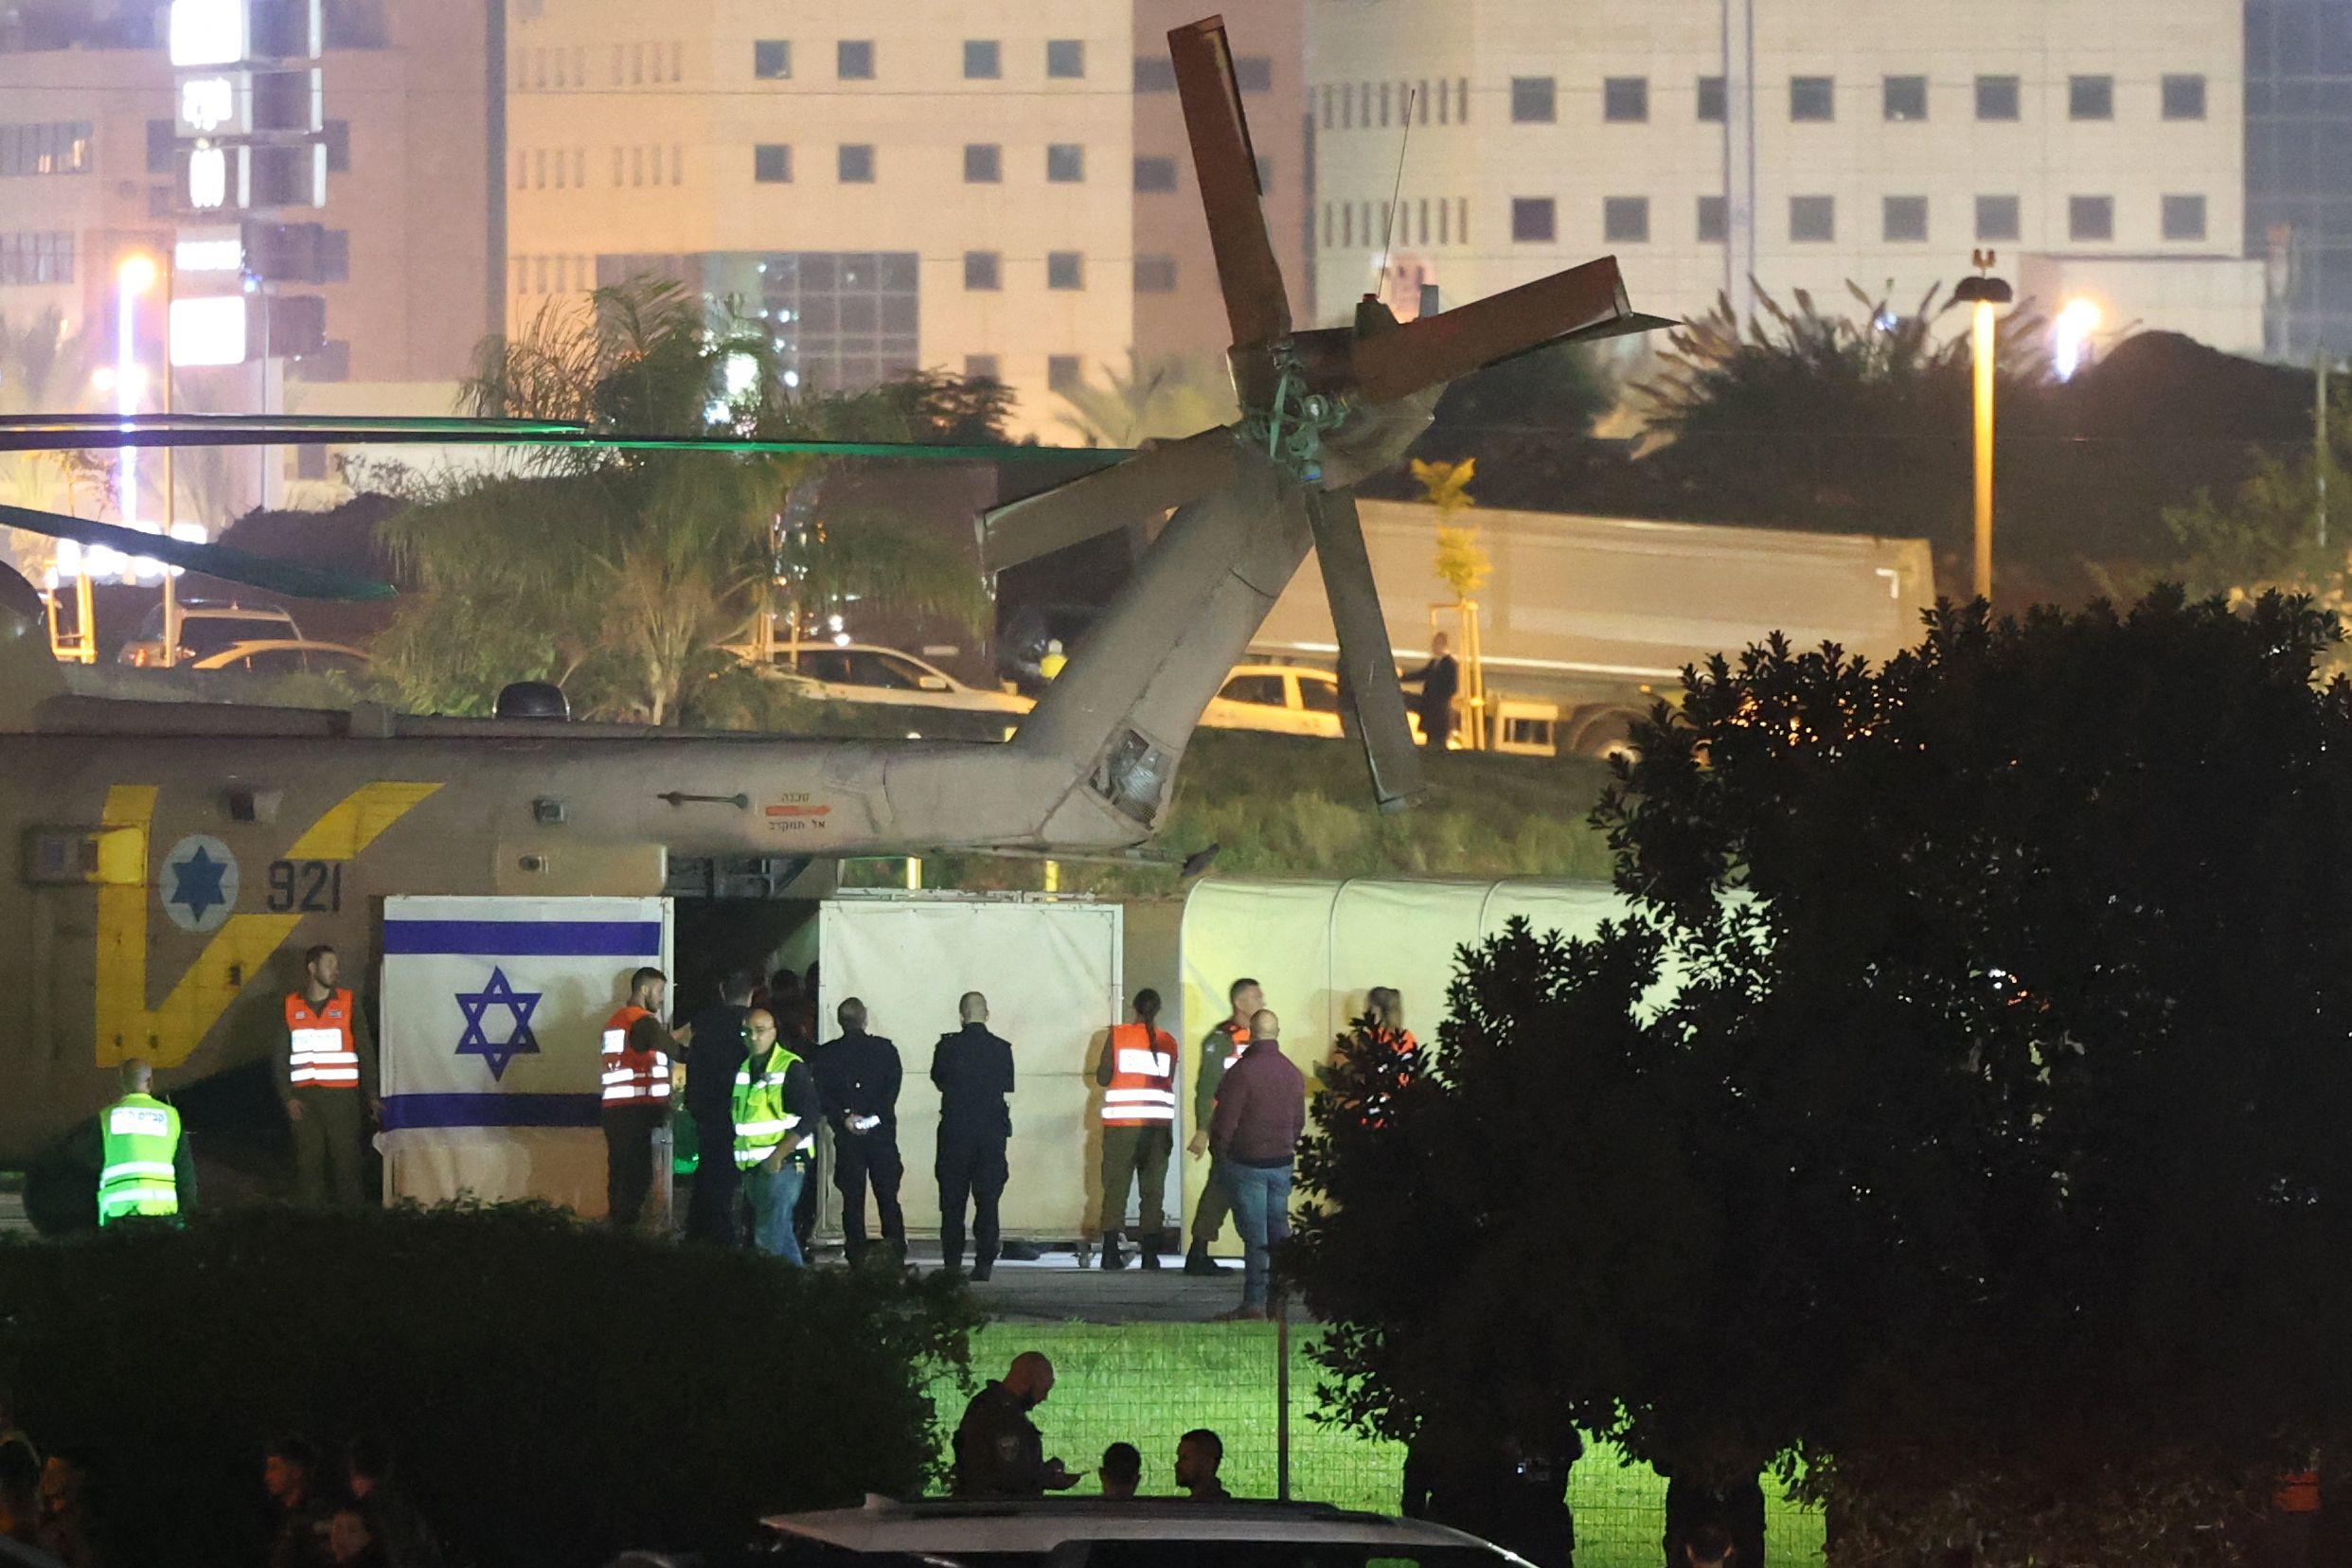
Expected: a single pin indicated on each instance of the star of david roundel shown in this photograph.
(198, 884)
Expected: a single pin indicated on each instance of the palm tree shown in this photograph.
(46, 369)
(620, 572)
(1156, 399)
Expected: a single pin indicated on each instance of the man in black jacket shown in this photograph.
(1439, 680)
(857, 1081)
(974, 1071)
(711, 1062)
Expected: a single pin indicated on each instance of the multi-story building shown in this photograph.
(2099, 149)
(922, 185)
(1178, 308)
(2299, 169)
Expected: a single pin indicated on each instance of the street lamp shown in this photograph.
(1981, 294)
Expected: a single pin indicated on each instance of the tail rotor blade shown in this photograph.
(1222, 156)
(216, 560)
(1367, 664)
(1437, 348)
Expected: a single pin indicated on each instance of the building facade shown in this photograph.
(2299, 171)
(888, 187)
(2099, 149)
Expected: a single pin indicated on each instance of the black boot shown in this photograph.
(1198, 1261)
(953, 1264)
(981, 1269)
(1111, 1257)
(1148, 1252)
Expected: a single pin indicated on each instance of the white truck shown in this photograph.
(1585, 620)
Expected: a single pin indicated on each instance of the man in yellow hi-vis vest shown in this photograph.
(144, 1156)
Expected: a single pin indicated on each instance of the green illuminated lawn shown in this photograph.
(1147, 1384)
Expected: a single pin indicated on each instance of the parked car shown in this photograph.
(285, 657)
(858, 672)
(1153, 1532)
(1284, 699)
(209, 627)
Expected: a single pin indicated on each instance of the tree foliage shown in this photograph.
(1162, 397)
(1956, 1113)
(618, 573)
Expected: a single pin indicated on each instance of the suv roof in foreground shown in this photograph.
(1038, 1527)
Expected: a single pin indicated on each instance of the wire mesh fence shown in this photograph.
(1147, 1383)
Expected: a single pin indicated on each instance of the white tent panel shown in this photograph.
(1318, 947)
(1052, 973)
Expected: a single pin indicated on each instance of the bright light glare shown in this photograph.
(206, 103)
(742, 374)
(207, 32)
(207, 177)
(2070, 333)
(138, 272)
(102, 379)
(209, 331)
(209, 256)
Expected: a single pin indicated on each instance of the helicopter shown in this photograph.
(175, 857)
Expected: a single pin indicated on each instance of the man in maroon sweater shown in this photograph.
(1261, 1113)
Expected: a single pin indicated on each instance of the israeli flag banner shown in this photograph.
(493, 1013)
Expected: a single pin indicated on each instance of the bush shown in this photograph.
(554, 1392)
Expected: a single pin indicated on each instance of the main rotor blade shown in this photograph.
(1226, 163)
(73, 432)
(1153, 481)
(1368, 663)
(216, 560)
(1438, 349)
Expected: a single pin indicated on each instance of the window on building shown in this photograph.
(856, 163)
(1903, 220)
(981, 367)
(1714, 99)
(1065, 59)
(41, 256)
(1065, 164)
(983, 59)
(844, 320)
(677, 63)
(1063, 373)
(1714, 220)
(1905, 98)
(1625, 220)
(1534, 101)
(1997, 98)
(1157, 74)
(984, 271)
(1155, 274)
(1996, 217)
(1461, 100)
(984, 163)
(2184, 97)
(1624, 101)
(538, 169)
(1812, 98)
(854, 59)
(2091, 97)
(2184, 217)
(1384, 105)
(1155, 175)
(1534, 219)
(1812, 219)
(1255, 73)
(2090, 219)
(162, 145)
(53, 147)
(1065, 270)
(1265, 175)
(771, 164)
(771, 59)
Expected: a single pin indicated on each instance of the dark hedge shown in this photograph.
(554, 1392)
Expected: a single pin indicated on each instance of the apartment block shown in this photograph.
(2099, 150)
(921, 184)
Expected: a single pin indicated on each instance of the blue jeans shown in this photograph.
(773, 1193)
(1261, 1210)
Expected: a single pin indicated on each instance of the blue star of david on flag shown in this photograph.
(500, 992)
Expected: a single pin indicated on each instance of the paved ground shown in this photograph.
(1055, 1289)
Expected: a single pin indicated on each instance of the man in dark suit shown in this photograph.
(858, 1076)
(973, 1070)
